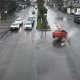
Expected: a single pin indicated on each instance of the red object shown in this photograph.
(59, 34)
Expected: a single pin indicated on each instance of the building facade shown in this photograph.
(73, 5)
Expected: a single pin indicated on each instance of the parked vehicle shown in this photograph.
(28, 25)
(77, 17)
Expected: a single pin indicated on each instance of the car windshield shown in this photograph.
(14, 24)
(28, 23)
(30, 18)
(18, 20)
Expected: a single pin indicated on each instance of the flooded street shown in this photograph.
(35, 55)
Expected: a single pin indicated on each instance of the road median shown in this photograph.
(42, 26)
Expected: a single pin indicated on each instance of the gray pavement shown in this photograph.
(32, 55)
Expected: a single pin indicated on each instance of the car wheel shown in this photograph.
(11, 29)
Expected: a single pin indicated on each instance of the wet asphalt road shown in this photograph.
(32, 55)
(66, 22)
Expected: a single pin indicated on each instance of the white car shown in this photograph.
(14, 26)
(19, 21)
(28, 25)
(32, 19)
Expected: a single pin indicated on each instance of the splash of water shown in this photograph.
(72, 33)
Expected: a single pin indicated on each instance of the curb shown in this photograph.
(44, 29)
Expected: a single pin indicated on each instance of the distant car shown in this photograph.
(28, 25)
(14, 26)
(77, 17)
(19, 21)
(32, 19)
(33, 12)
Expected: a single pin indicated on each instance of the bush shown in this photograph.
(39, 25)
(42, 26)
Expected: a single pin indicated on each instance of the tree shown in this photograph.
(28, 2)
(40, 4)
(7, 4)
(59, 2)
(41, 9)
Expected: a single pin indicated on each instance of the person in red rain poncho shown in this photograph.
(60, 34)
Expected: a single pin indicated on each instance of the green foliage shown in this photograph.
(39, 25)
(42, 12)
(41, 15)
(28, 2)
(43, 26)
(40, 3)
(41, 9)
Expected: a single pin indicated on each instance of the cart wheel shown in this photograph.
(53, 36)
